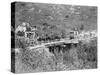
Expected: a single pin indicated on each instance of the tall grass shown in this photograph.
(82, 56)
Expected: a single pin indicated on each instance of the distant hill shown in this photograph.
(55, 18)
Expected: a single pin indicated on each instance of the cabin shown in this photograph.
(73, 35)
(25, 31)
(31, 36)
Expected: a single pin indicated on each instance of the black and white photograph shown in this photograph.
(47, 37)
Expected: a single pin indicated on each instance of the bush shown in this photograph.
(88, 53)
(38, 60)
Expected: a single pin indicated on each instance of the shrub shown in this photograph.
(88, 53)
(38, 60)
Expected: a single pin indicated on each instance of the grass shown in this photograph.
(84, 56)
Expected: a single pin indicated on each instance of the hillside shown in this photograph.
(63, 17)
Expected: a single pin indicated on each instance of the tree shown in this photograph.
(82, 27)
(63, 34)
